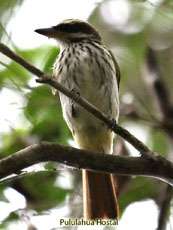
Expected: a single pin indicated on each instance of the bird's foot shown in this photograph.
(113, 123)
(77, 93)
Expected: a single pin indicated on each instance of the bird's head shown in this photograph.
(71, 31)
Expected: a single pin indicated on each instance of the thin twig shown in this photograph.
(164, 207)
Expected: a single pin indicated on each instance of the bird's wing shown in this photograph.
(118, 75)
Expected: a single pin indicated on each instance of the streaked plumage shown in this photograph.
(86, 66)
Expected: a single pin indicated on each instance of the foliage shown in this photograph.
(7, 8)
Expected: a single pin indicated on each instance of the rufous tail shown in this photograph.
(99, 196)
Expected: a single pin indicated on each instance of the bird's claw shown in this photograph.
(77, 93)
(113, 123)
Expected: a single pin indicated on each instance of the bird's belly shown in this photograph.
(77, 118)
(95, 81)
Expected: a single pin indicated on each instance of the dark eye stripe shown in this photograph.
(78, 27)
(74, 28)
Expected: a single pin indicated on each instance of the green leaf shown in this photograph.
(15, 75)
(14, 141)
(160, 143)
(7, 8)
(44, 112)
(40, 191)
(50, 166)
(140, 188)
(13, 216)
(49, 59)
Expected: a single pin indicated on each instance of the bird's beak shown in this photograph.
(48, 32)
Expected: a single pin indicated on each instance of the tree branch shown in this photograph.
(157, 167)
(166, 197)
(162, 98)
(158, 85)
(45, 78)
(150, 164)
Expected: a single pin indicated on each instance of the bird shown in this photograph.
(85, 66)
